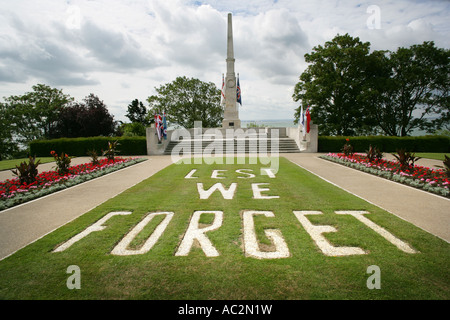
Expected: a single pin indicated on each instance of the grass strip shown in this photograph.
(35, 272)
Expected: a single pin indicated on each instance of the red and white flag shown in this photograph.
(308, 120)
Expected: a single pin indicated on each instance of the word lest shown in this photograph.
(197, 234)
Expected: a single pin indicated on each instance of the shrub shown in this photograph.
(94, 157)
(447, 165)
(405, 159)
(27, 172)
(347, 149)
(62, 162)
(129, 146)
(111, 152)
(374, 154)
(439, 144)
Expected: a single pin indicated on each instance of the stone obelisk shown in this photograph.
(231, 112)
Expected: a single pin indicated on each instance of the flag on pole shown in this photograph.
(223, 91)
(158, 124)
(308, 120)
(302, 120)
(238, 92)
(164, 126)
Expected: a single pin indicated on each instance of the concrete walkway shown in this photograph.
(425, 210)
(24, 224)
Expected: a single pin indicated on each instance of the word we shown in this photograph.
(196, 233)
(228, 194)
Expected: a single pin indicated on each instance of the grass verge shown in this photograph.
(11, 164)
(35, 272)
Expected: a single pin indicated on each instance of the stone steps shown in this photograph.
(244, 145)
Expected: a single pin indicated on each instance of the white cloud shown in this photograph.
(121, 50)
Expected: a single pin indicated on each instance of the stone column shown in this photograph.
(231, 112)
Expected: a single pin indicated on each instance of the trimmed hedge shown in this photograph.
(129, 146)
(438, 144)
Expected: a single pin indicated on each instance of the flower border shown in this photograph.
(401, 177)
(62, 184)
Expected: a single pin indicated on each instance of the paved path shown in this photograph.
(24, 224)
(423, 209)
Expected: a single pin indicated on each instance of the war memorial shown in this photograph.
(231, 138)
(231, 215)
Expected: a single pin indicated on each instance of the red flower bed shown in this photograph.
(418, 176)
(12, 187)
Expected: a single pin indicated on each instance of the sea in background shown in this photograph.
(268, 123)
(286, 123)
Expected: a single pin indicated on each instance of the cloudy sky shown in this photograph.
(121, 50)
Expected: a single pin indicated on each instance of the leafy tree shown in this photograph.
(137, 112)
(7, 144)
(34, 114)
(88, 119)
(352, 91)
(332, 86)
(133, 129)
(187, 100)
(413, 89)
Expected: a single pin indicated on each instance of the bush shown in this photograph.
(439, 144)
(79, 147)
(27, 171)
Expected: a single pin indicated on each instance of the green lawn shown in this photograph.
(435, 156)
(36, 272)
(11, 164)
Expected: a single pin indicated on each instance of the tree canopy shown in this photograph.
(88, 119)
(34, 115)
(187, 100)
(137, 113)
(354, 91)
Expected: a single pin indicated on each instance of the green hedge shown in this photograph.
(438, 144)
(129, 146)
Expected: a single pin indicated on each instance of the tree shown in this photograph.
(187, 100)
(413, 91)
(34, 114)
(137, 112)
(332, 86)
(88, 119)
(7, 144)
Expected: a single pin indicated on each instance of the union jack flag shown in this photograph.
(238, 92)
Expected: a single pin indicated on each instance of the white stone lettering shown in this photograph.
(251, 246)
(195, 233)
(248, 175)
(227, 194)
(121, 248)
(98, 226)
(316, 233)
(190, 174)
(257, 191)
(381, 231)
(215, 174)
